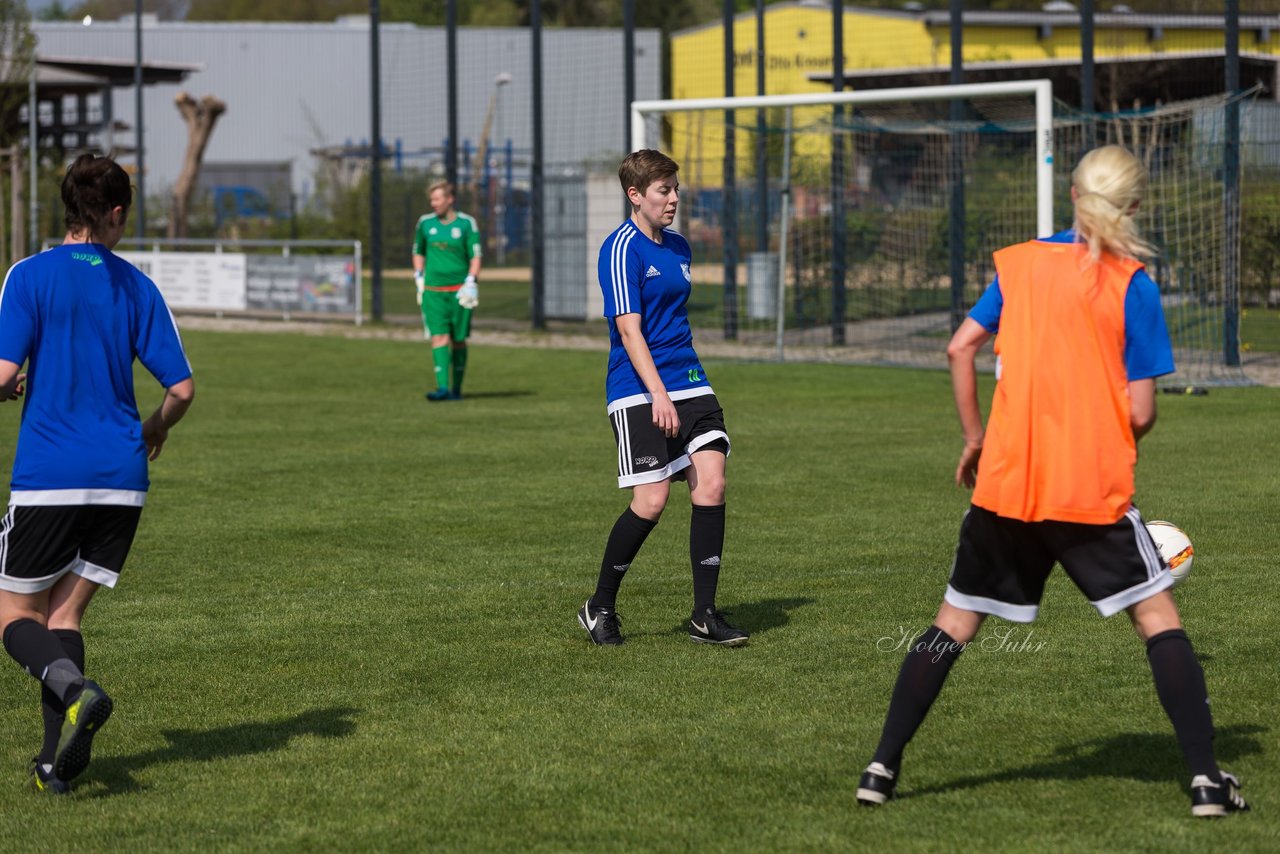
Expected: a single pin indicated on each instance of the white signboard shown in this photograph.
(198, 280)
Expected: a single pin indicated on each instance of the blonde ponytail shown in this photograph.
(1109, 182)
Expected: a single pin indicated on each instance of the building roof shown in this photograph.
(119, 72)
(1265, 25)
(1173, 76)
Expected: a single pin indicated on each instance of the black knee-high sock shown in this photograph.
(923, 672)
(41, 654)
(1180, 684)
(706, 541)
(625, 540)
(52, 709)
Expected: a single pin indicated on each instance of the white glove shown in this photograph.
(469, 294)
(419, 282)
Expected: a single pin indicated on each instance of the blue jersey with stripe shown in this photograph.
(1147, 350)
(653, 280)
(78, 315)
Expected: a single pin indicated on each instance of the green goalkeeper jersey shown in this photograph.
(447, 247)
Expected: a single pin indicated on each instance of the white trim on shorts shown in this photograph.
(96, 574)
(678, 464)
(983, 605)
(636, 399)
(1157, 578)
(706, 439)
(34, 585)
(76, 497)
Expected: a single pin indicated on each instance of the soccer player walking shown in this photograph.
(77, 315)
(1080, 339)
(666, 419)
(446, 262)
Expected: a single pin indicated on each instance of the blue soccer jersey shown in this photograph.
(1147, 350)
(652, 280)
(78, 316)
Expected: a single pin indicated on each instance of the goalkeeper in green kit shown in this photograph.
(446, 262)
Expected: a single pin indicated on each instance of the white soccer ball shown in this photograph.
(1175, 547)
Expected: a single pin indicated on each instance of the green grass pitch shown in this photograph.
(348, 623)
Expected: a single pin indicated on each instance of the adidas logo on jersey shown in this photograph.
(651, 272)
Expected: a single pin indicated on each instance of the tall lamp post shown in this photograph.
(480, 176)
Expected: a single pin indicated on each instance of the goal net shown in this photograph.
(861, 225)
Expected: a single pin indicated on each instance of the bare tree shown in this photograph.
(200, 117)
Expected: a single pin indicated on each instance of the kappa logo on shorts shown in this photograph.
(647, 461)
(651, 272)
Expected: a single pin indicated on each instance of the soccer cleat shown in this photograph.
(603, 624)
(441, 394)
(1215, 800)
(85, 716)
(877, 785)
(710, 627)
(43, 781)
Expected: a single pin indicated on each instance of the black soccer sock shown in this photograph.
(1180, 684)
(920, 680)
(625, 540)
(706, 540)
(52, 709)
(459, 368)
(41, 654)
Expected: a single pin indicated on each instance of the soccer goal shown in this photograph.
(897, 156)
(842, 212)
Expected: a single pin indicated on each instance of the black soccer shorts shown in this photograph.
(647, 456)
(1002, 564)
(39, 545)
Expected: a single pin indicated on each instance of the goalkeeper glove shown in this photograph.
(419, 282)
(469, 294)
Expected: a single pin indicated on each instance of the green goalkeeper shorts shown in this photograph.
(442, 315)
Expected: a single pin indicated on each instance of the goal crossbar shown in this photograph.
(1042, 90)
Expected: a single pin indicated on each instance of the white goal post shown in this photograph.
(1042, 90)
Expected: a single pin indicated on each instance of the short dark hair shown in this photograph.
(641, 168)
(91, 188)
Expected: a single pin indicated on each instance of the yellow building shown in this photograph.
(1140, 60)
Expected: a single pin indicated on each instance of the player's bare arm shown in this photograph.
(11, 380)
(177, 400)
(1142, 406)
(664, 411)
(962, 354)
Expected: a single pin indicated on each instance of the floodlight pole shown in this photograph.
(1231, 191)
(140, 221)
(375, 162)
(33, 156)
(451, 85)
(956, 176)
(839, 230)
(729, 208)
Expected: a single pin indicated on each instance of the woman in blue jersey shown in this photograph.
(77, 316)
(666, 419)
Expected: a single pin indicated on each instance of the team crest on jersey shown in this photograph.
(651, 272)
(432, 231)
(457, 233)
(684, 268)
